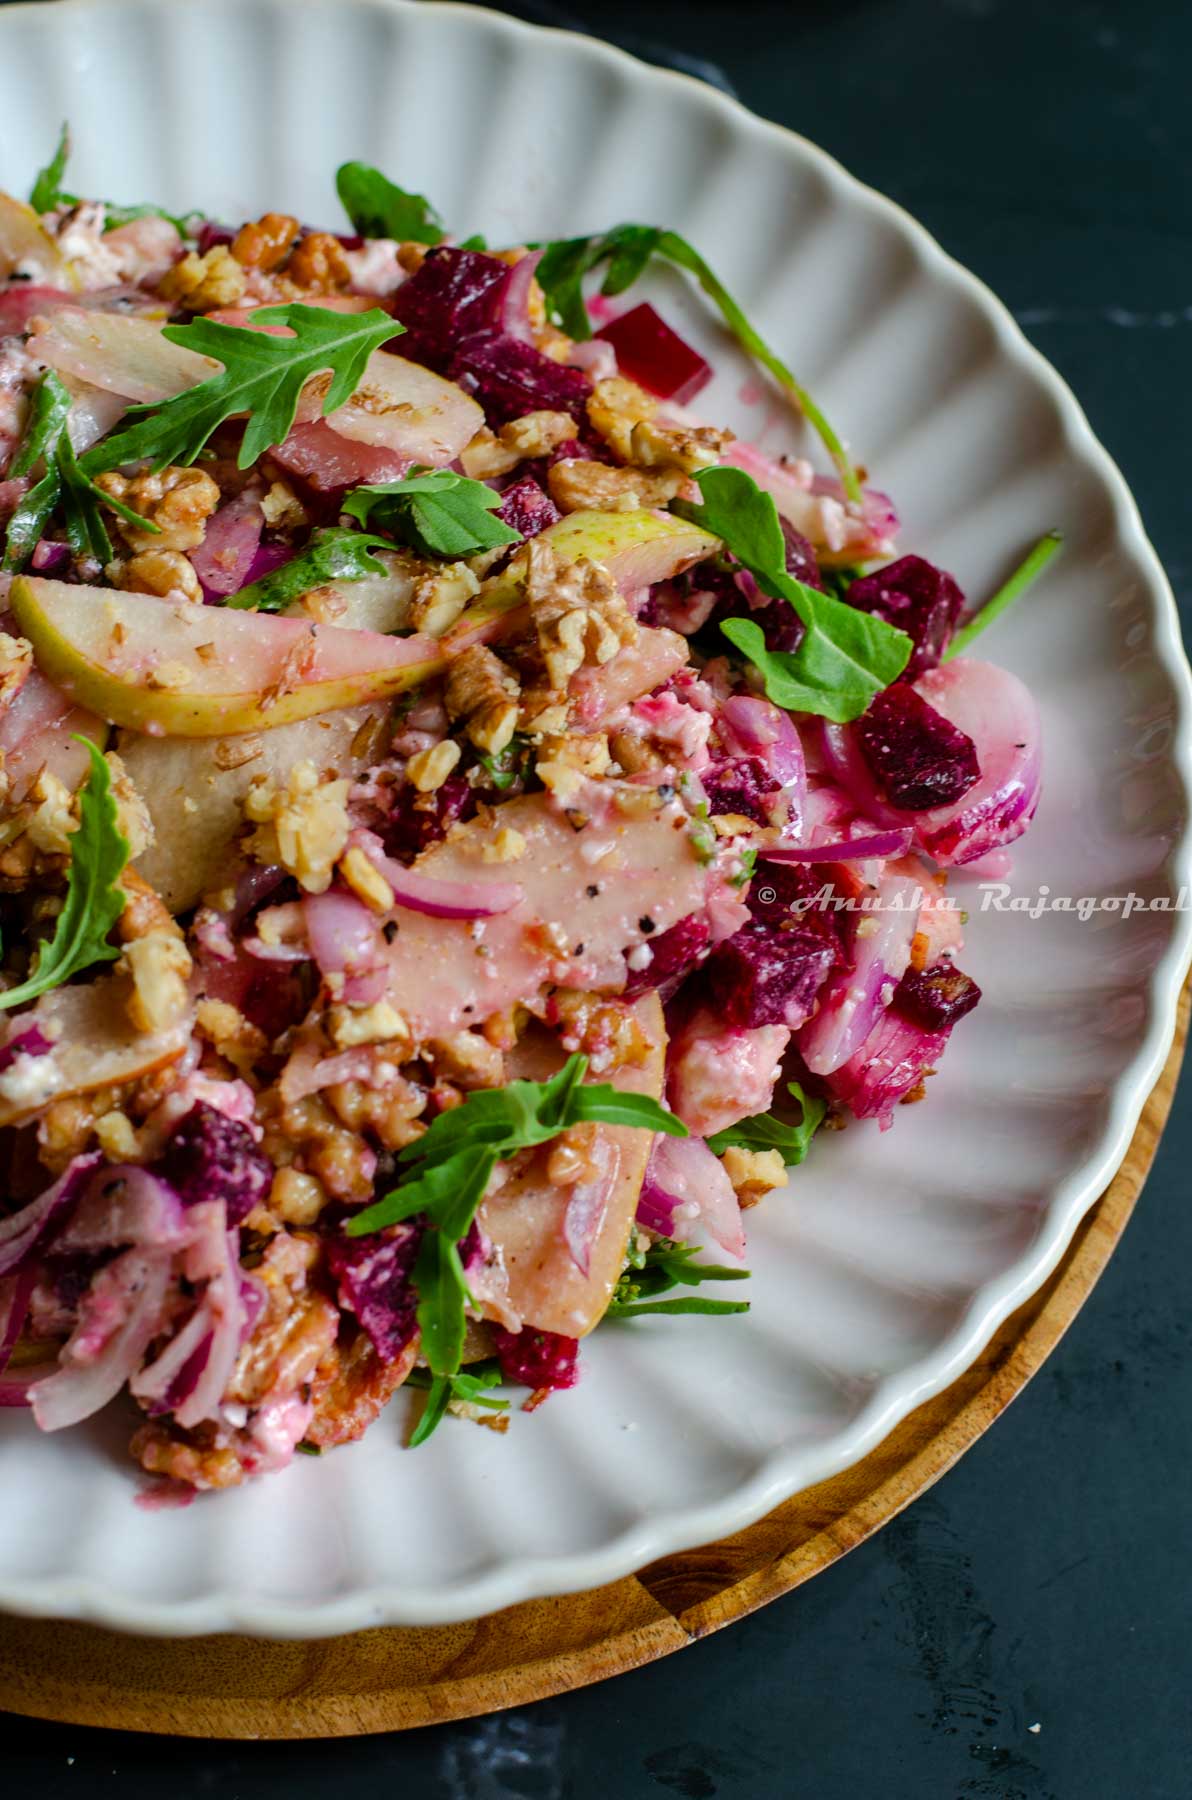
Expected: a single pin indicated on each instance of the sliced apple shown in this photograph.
(195, 787)
(637, 549)
(95, 1046)
(403, 407)
(39, 729)
(174, 668)
(525, 1217)
(27, 249)
(115, 351)
(374, 603)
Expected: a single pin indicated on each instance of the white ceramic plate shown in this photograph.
(894, 1256)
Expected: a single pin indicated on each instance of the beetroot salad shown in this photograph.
(466, 818)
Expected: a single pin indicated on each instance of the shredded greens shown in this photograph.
(472, 1386)
(666, 1265)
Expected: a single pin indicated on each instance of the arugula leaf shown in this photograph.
(435, 511)
(380, 209)
(46, 194)
(94, 898)
(262, 376)
(472, 1386)
(331, 553)
(452, 1163)
(667, 1265)
(846, 656)
(1027, 572)
(764, 1132)
(627, 249)
(47, 440)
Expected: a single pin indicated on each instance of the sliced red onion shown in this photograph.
(28, 1039)
(17, 1385)
(702, 1200)
(751, 726)
(224, 557)
(854, 998)
(125, 1204)
(119, 1316)
(878, 843)
(15, 1294)
(344, 935)
(440, 899)
(224, 1306)
(999, 714)
(267, 558)
(587, 1202)
(515, 300)
(160, 1379)
(20, 1234)
(50, 558)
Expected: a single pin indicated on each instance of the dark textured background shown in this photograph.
(1044, 1583)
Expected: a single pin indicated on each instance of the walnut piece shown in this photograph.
(537, 433)
(318, 264)
(303, 825)
(201, 283)
(578, 613)
(160, 967)
(577, 485)
(753, 1173)
(428, 769)
(157, 572)
(178, 501)
(265, 244)
(483, 693)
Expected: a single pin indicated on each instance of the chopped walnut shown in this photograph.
(16, 660)
(615, 406)
(282, 509)
(428, 769)
(157, 572)
(201, 283)
(482, 692)
(232, 1036)
(296, 1328)
(366, 880)
(160, 967)
(302, 825)
(604, 1029)
(440, 596)
(507, 846)
(577, 485)
(54, 817)
(563, 764)
(468, 1060)
(265, 244)
(753, 1173)
(391, 1112)
(318, 264)
(296, 1198)
(133, 818)
(116, 1136)
(486, 456)
(685, 447)
(178, 501)
(571, 1157)
(380, 1023)
(578, 613)
(537, 433)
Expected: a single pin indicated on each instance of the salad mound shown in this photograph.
(466, 818)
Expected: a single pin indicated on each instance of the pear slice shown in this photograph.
(95, 1046)
(174, 668)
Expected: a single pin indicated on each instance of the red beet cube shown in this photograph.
(918, 757)
(675, 953)
(526, 508)
(920, 599)
(935, 998)
(770, 975)
(656, 357)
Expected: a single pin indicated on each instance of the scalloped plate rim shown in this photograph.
(526, 1578)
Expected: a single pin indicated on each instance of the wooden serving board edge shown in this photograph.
(395, 1678)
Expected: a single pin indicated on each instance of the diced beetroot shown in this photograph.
(652, 354)
(770, 975)
(455, 294)
(935, 998)
(212, 1157)
(920, 599)
(211, 235)
(741, 785)
(374, 1276)
(537, 1359)
(919, 758)
(676, 953)
(526, 508)
(419, 820)
(510, 378)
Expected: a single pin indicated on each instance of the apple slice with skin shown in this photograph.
(115, 351)
(637, 549)
(172, 667)
(27, 246)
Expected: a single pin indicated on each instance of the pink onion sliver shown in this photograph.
(155, 1381)
(21, 1233)
(224, 557)
(15, 1294)
(83, 1383)
(366, 988)
(49, 557)
(16, 1387)
(440, 899)
(224, 1307)
(878, 843)
(344, 935)
(587, 1203)
(515, 300)
(750, 726)
(595, 357)
(125, 1204)
(702, 1194)
(853, 999)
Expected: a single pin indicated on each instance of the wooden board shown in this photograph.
(387, 1680)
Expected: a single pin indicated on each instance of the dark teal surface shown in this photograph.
(1044, 1582)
